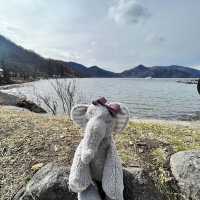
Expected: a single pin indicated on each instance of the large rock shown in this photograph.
(8, 99)
(138, 185)
(23, 103)
(11, 100)
(51, 183)
(185, 167)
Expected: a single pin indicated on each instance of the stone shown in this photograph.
(37, 166)
(51, 183)
(23, 103)
(139, 186)
(14, 101)
(185, 167)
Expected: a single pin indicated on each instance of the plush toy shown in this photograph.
(96, 164)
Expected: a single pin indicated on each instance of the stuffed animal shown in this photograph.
(96, 164)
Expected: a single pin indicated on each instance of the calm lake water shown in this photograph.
(145, 98)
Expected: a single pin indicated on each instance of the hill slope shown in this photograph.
(96, 71)
(17, 59)
(93, 71)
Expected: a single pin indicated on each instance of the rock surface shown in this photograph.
(7, 99)
(185, 167)
(23, 103)
(138, 186)
(15, 108)
(11, 100)
(51, 183)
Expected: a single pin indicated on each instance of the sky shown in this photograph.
(113, 34)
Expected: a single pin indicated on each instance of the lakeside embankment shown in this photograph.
(11, 100)
(30, 140)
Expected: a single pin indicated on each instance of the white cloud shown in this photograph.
(128, 11)
(80, 30)
(155, 39)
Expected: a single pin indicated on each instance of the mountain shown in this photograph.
(16, 59)
(93, 71)
(96, 71)
(172, 71)
(81, 69)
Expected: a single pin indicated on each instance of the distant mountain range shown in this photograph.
(173, 71)
(93, 71)
(18, 59)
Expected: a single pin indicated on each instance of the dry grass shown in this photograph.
(27, 139)
(150, 145)
(141, 138)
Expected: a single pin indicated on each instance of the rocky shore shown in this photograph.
(160, 160)
(11, 100)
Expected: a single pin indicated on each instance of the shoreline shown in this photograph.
(11, 102)
(11, 99)
(12, 86)
(177, 123)
(16, 103)
(173, 123)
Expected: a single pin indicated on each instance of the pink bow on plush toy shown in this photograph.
(113, 108)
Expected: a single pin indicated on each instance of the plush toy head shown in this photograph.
(115, 113)
(99, 120)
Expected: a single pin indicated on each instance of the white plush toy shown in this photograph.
(95, 161)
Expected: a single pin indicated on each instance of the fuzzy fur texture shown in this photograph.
(96, 157)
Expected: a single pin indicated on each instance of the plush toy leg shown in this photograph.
(91, 193)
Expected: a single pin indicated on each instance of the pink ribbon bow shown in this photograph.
(114, 109)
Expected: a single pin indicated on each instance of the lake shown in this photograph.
(145, 98)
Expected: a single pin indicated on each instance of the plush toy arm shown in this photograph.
(79, 177)
(113, 175)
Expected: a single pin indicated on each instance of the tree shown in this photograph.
(66, 94)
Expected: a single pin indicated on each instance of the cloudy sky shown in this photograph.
(113, 34)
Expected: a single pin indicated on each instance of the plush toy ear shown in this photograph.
(121, 120)
(78, 115)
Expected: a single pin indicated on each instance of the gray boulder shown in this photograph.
(23, 103)
(139, 186)
(185, 167)
(51, 183)
(11, 100)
